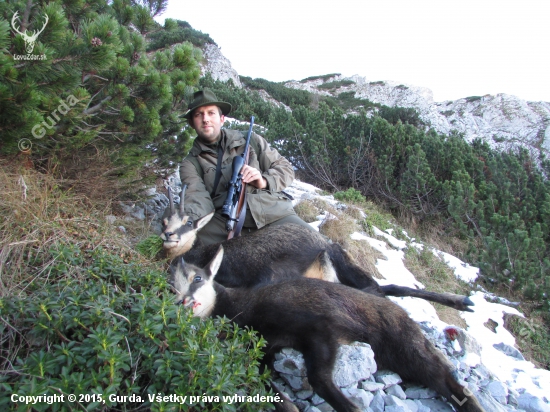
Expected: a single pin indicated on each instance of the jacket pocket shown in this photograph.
(267, 207)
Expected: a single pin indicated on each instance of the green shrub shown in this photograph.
(150, 247)
(116, 331)
(324, 77)
(336, 84)
(350, 195)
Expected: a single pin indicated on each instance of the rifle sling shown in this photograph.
(200, 172)
(218, 171)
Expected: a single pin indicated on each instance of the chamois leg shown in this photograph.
(458, 302)
(421, 362)
(349, 273)
(319, 359)
(286, 404)
(352, 275)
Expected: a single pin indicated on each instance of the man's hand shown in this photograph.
(253, 177)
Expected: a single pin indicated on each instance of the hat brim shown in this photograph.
(226, 108)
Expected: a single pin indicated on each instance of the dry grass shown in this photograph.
(340, 228)
(307, 211)
(39, 220)
(437, 277)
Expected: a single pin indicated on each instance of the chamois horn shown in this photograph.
(171, 199)
(182, 194)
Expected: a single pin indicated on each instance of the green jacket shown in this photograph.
(264, 206)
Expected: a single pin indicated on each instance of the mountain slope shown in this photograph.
(502, 120)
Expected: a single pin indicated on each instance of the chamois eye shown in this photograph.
(197, 279)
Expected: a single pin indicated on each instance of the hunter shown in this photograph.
(209, 164)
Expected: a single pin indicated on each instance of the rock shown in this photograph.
(360, 397)
(461, 341)
(509, 350)
(396, 408)
(312, 408)
(371, 386)
(301, 404)
(532, 404)
(280, 385)
(354, 362)
(388, 378)
(513, 401)
(121, 229)
(305, 394)
(420, 406)
(297, 383)
(219, 66)
(419, 392)
(110, 219)
(396, 391)
(390, 400)
(435, 405)
(150, 191)
(412, 405)
(325, 407)
(488, 402)
(316, 399)
(499, 391)
(377, 403)
(291, 362)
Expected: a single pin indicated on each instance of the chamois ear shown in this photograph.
(214, 265)
(199, 224)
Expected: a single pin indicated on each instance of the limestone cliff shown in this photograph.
(502, 120)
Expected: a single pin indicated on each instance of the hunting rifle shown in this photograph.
(234, 207)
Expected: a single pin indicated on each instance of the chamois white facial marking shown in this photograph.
(201, 293)
(179, 233)
(202, 299)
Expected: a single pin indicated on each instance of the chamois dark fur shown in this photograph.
(314, 317)
(281, 252)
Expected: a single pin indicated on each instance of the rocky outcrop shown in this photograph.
(502, 120)
(218, 65)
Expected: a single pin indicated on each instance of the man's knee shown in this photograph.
(292, 219)
(214, 231)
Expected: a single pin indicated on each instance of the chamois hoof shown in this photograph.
(459, 302)
(467, 302)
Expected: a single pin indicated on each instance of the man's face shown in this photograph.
(207, 121)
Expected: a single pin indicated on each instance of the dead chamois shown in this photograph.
(314, 317)
(280, 252)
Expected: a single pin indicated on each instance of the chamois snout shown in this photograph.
(179, 279)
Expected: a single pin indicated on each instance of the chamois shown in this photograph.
(280, 252)
(314, 317)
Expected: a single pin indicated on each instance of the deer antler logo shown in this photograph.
(29, 39)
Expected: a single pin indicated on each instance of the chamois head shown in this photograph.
(178, 230)
(194, 286)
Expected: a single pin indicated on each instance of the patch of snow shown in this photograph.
(462, 269)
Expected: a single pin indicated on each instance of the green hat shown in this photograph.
(206, 97)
